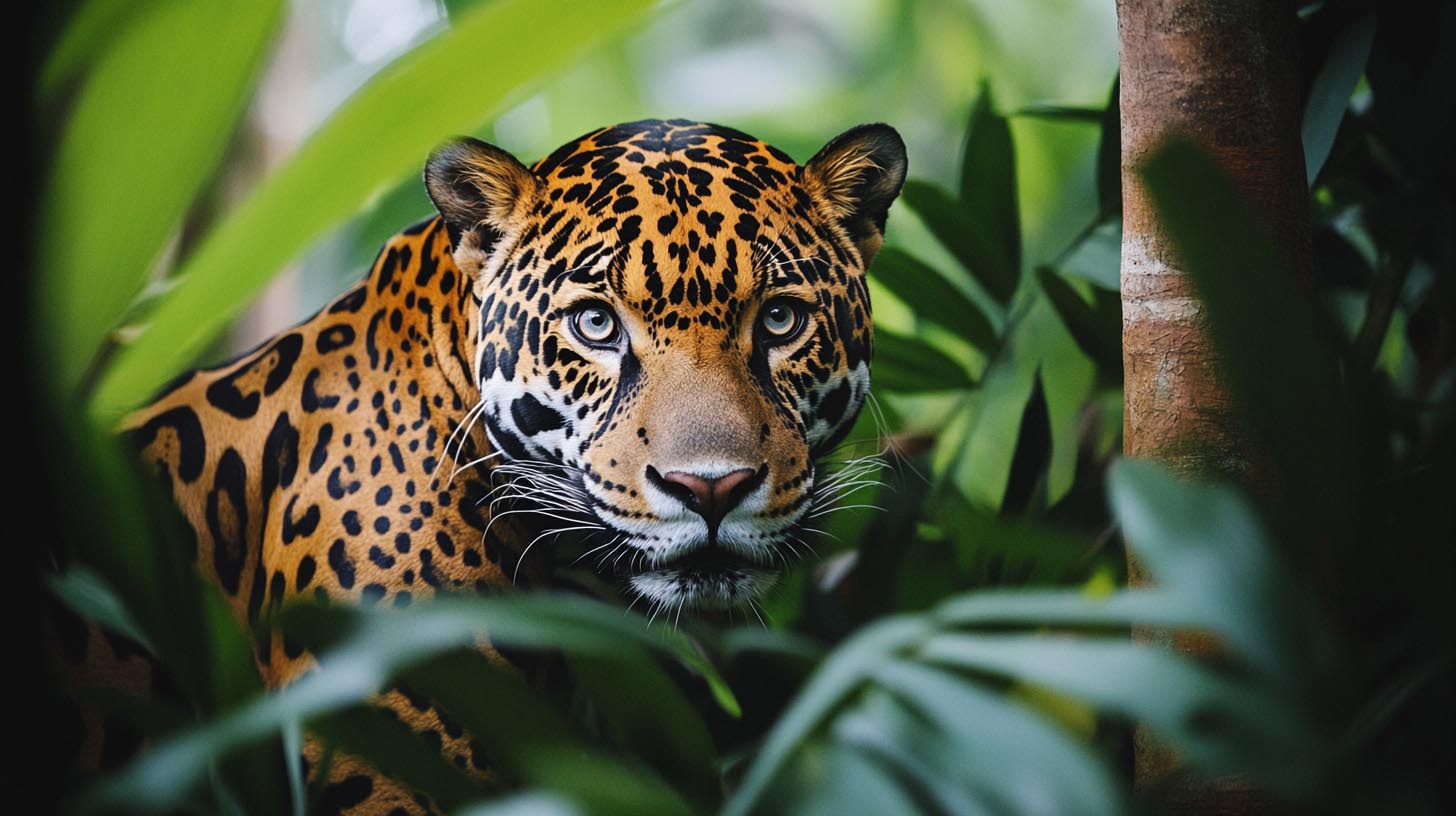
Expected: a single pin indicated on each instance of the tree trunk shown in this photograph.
(1225, 74)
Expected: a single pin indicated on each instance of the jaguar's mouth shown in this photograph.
(706, 578)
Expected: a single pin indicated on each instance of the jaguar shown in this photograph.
(647, 340)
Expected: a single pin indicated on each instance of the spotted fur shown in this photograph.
(361, 455)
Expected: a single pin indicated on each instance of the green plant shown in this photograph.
(962, 651)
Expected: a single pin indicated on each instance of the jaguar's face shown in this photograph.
(674, 326)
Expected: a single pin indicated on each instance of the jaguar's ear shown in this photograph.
(474, 185)
(856, 177)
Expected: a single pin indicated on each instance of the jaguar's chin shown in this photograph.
(707, 578)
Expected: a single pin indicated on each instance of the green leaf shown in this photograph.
(1096, 258)
(407, 203)
(905, 363)
(1216, 723)
(988, 179)
(878, 729)
(1329, 95)
(931, 296)
(1205, 544)
(146, 129)
(87, 594)
(398, 752)
(825, 692)
(377, 645)
(647, 714)
(606, 786)
(1067, 379)
(998, 405)
(781, 642)
(1096, 327)
(527, 736)
(1000, 608)
(89, 30)
(995, 551)
(512, 720)
(530, 803)
(972, 241)
(381, 134)
(1062, 113)
(994, 746)
(843, 780)
(1284, 377)
(567, 612)
(524, 804)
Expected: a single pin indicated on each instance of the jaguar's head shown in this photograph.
(674, 327)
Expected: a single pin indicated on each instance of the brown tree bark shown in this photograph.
(1225, 74)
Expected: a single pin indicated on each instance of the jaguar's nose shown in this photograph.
(711, 497)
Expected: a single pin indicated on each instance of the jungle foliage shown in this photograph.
(961, 642)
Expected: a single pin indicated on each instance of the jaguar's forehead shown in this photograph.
(656, 149)
(685, 219)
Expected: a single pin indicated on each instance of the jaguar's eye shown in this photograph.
(595, 324)
(781, 319)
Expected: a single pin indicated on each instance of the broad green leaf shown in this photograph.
(524, 804)
(147, 127)
(606, 786)
(931, 296)
(972, 242)
(841, 780)
(825, 692)
(993, 745)
(782, 642)
(648, 715)
(905, 363)
(988, 179)
(878, 729)
(381, 134)
(998, 405)
(567, 612)
(89, 29)
(999, 608)
(1206, 544)
(997, 551)
(382, 644)
(87, 594)
(1283, 375)
(1096, 257)
(524, 734)
(398, 752)
(1067, 377)
(512, 721)
(1217, 723)
(1095, 326)
(1329, 96)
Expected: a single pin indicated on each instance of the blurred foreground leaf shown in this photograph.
(1213, 571)
(1284, 378)
(382, 133)
(148, 125)
(375, 646)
